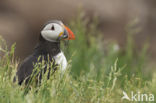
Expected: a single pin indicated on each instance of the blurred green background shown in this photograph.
(21, 21)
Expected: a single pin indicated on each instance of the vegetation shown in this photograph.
(96, 73)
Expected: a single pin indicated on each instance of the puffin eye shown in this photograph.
(52, 28)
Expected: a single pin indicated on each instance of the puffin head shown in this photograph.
(55, 30)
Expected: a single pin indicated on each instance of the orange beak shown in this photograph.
(71, 35)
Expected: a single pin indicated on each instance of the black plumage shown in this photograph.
(44, 49)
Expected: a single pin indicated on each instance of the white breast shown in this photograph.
(61, 61)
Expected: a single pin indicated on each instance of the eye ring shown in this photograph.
(52, 28)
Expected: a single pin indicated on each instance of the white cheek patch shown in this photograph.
(51, 35)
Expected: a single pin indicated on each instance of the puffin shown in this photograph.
(48, 48)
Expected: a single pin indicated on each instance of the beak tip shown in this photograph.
(71, 35)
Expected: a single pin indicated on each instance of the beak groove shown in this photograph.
(71, 35)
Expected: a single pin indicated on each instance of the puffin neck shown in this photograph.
(47, 48)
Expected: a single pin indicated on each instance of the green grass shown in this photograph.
(96, 73)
